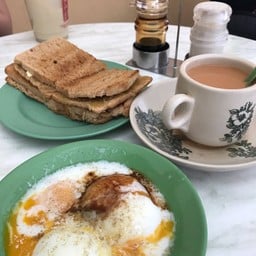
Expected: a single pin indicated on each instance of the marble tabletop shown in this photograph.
(229, 198)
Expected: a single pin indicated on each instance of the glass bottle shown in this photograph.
(151, 25)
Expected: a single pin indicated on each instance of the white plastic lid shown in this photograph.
(212, 12)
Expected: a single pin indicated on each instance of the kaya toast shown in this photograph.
(72, 71)
(97, 110)
(58, 61)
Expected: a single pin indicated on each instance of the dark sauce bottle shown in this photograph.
(151, 25)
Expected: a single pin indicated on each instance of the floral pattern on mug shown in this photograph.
(239, 122)
(151, 126)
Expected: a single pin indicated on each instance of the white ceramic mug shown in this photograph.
(49, 18)
(208, 115)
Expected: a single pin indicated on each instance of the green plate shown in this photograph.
(28, 117)
(191, 228)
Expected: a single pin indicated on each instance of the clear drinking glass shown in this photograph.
(49, 18)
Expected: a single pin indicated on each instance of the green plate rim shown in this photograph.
(12, 117)
(182, 198)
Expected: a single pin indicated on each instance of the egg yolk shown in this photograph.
(18, 244)
(131, 247)
(29, 203)
(135, 246)
(165, 229)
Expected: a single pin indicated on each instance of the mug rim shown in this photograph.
(213, 57)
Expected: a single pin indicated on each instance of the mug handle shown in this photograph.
(177, 112)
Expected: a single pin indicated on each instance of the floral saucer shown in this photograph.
(145, 118)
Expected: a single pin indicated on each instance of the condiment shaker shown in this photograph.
(209, 33)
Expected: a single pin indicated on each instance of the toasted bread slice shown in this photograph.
(96, 110)
(107, 82)
(98, 104)
(72, 112)
(104, 83)
(58, 61)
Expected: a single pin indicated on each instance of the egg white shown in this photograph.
(135, 217)
(66, 241)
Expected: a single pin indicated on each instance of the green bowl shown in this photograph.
(181, 197)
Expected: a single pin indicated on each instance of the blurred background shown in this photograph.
(88, 11)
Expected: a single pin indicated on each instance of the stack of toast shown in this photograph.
(72, 82)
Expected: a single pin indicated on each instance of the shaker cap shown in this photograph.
(212, 12)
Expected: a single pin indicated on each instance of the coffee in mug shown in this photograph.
(219, 76)
(212, 105)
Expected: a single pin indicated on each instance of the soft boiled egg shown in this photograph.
(66, 241)
(98, 208)
(127, 217)
(38, 212)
